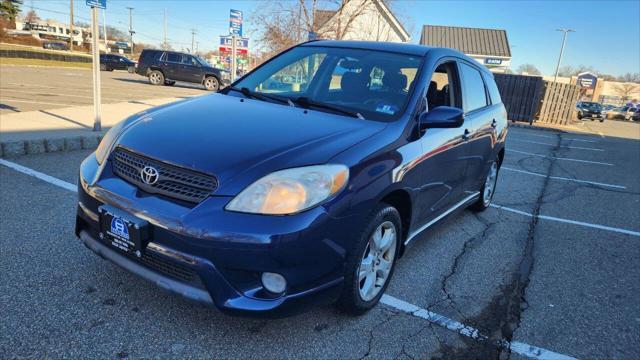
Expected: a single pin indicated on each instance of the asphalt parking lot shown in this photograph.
(28, 88)
(552, 269)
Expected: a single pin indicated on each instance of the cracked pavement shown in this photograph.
(565, 288)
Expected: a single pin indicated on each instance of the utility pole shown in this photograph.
(131, 32)
(104, 28)
(164, 44)
(564, 39)
(193, 38)
(97, 123)
(197, 46)
(234, 58)
(71, 25)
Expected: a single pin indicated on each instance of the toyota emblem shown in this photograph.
(149, 175)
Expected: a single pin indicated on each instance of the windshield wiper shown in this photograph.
(306, 102)
(257, 95)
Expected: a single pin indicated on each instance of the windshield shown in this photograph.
(202, 61)
(372, 83)
(591, 105)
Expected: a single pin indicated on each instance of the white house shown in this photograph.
(370, 20)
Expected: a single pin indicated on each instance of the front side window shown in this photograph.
(443, 87)
(189, 60)
(375, 84)
(475, 96)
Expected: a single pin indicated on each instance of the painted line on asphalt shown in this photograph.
(520, 348)
(554, 145)
(559, 158)
(563, 178)
(561, 138)
(567, 221)
(37, 174)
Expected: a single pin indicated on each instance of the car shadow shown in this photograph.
(9, 107)
(177, 84)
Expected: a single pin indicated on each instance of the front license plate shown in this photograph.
(123, 231)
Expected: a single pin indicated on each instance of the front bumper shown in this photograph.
(221, 265)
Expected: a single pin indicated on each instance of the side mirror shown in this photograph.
(442, 117)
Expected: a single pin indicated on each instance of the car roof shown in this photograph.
(403, 48)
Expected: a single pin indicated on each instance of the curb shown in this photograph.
(15, 148)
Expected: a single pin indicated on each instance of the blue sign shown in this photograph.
(490, 61)
(235, 22)
(240, 42)
(587, 80)
(101, 4)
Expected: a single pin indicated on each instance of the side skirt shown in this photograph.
(472, 197)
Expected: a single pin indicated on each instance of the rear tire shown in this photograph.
(371, 262)
(103, 67)
(211, 83)
(488, 189)
(156, 77)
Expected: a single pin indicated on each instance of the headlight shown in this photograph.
(107, 141)
(291, 191)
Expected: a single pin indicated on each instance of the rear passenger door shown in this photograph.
(481, 121)
(171, 65)
(190, 69)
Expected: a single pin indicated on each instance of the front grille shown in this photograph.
(173, 181)
(165, 267)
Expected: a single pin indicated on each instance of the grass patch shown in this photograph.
(38, 62)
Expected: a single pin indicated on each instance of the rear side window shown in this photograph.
(173, 57)
(475, 96)
(494, 93)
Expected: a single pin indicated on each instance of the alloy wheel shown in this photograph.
(211, 83)
(377, 261)
(155, 78)
(490, 184)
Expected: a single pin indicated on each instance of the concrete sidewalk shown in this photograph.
(61, 129)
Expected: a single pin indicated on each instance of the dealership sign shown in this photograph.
(101, 4)
(492, 61)
(587, 80)
(235, 22)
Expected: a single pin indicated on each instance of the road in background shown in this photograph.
(28, 88)
(565, 281)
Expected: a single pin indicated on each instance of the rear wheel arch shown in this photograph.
(500, 157)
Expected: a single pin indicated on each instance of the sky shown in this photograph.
(607, 33)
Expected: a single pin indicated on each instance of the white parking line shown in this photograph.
(562, 138)
(523, 349)
(567, 221)
(515, 346)
(559, 158)
(554, 145)
(562, 178)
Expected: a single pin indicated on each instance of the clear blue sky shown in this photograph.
(607, 33)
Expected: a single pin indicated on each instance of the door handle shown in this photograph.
(465, 136)
(494, 123)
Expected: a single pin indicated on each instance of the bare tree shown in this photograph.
(282, 24)
(630, 77)
(529, 69)
(625, 90)
(31, 16)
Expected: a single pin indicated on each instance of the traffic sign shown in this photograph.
(101, 4)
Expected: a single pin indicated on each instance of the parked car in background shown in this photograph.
(621, 113)
(606, 108)
(167, 67)
(110, 62)
(589, 110)
(55, 46)
(267, 202)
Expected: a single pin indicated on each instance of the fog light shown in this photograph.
(273, 282)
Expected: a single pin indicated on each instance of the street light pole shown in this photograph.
(564, 39)
(131, 32)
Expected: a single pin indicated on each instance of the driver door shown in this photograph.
(190, 69)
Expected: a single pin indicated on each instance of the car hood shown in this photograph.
(240, 140)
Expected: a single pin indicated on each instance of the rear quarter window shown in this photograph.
(494, 92)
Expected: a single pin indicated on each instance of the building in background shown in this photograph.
(489, 47)
(369, 20)
(50, 30)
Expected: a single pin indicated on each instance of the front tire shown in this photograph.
(371, 262)
(488, 189)
(103, 67)
(156, 77)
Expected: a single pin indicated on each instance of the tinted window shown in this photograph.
(189, 60)
(443, 87)
(473, 91)
(173, 57)
(494, 93)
